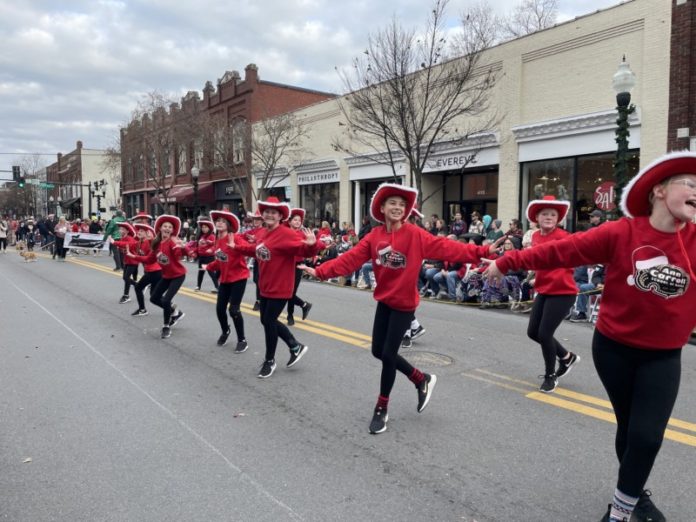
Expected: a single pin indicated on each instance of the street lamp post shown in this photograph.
(623, 81)
(50, 205)
(195, 172)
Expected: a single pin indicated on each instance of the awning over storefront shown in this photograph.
(183, 194)
(72, 202)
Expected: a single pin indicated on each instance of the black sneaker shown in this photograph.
(166, 332)
(176, 318)
(241, 347)
(257, 306)
(425, 391)
(296, 354)
(564, 367)
(645, 510)
(305, 310)
(291, 320)
(222, 340)
(549, 384)
(140, 311)
(406, 342)
(418, 332)
(124, 299)
(379, 421)
(580, 317)
(267, 369)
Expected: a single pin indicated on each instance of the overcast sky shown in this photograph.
(74, 70)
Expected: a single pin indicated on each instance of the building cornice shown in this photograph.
(581, 124)
(316, 166)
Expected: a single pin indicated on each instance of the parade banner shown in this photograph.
(80, 240)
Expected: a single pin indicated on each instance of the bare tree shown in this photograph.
(530, 16)
(408, 93)
(277, 148)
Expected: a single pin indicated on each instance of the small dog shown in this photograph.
(28, 256)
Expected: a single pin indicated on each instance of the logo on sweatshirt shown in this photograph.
(389, 258)
(652, 272)
(220, 256)
(262, 253)
(162, 259)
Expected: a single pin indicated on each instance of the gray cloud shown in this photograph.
(75, 70)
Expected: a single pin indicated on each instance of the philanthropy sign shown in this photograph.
(319, 177)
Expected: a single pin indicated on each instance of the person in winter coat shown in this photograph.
(112, 230)
(647, 312)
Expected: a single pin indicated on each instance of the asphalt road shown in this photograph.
(101, 420)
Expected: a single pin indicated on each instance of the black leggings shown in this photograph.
(546, 315)
(60, 241)
(149, 278)
(294, 300)
(204, 260)
(3, 243)
(230, 295)
(642, 386)
(387, 333)
(163, 294)
(130, 277)
(272, 328)
(255, 277)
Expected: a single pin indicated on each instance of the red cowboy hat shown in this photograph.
(167, 218)
(635, 198)
(203, 221)
(144, 226)
(275, 204)
(297, 212)
(386, 190)
(537, 205)
(128, 227)
(227, 216)
(142, 215)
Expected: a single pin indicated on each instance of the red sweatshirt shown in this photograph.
(206, 245)
(275, 250)
(124, 244)
(649, 296)
(557, 281)
(230, 262)
(142, 248)
(168, 256)
(396, 260)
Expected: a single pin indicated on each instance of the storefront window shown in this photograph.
(549, 178)
(320, 201)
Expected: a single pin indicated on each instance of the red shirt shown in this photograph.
(557, 281)
(649, 296)
(142, 248)
(275, 251)
(127, 243)
(230, 262)
(396, 260)
(206, 245)
(168, 256)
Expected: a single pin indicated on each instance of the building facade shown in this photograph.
(556, 131)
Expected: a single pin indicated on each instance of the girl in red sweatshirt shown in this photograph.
(130, 268)
(555, 293)
(153, 272)
(205, 250)
(296, 223)
(167, 251)
(233, 270)
(397, 250)
(647, 312)
(275, 249)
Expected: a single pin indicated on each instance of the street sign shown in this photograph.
(47, 185)
(33, 181)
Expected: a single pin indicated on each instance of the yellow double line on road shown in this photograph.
(316, 327)
(678, 430)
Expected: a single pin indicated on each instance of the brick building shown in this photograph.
(160, 150)
(682, 77)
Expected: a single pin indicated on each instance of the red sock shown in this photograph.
(382, 402)
(417, 377)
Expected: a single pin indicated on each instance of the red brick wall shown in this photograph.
(271, 100)
(682, 78)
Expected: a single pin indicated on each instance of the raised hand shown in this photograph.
(310, 238)
(308, 270)
(230, 240)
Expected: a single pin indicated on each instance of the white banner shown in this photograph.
(79, 240)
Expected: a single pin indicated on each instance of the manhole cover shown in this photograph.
(417, 358)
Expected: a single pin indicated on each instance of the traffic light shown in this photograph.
(21, 182)
(15, 173)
